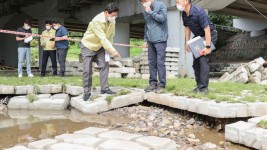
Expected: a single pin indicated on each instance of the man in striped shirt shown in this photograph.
(196, 20)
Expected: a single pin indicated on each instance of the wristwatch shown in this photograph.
(208, 47)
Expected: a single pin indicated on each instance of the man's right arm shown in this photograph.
(107, 45)
(187, 37)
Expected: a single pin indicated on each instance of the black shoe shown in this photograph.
(160, 89)
(151, 88)
(108, 91)
(196, 90)
(86, 97)
(42, 75)
(204, 90)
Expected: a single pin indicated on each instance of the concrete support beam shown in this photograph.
(122, 36)
(177, 39)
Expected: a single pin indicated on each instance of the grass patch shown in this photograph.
(120, 93)
(94, 97)
(32, 97)
(262, 124)
(229, 92)
(136, 51)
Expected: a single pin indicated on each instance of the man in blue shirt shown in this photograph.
(62, 45)
(196, 20)
(156, 36)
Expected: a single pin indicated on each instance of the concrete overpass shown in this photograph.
(76, 15)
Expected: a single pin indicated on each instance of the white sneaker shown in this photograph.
(30, 75)
(20, 75)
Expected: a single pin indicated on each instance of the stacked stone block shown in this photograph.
(171, 61)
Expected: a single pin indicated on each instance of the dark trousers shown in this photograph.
(89, 57)
(201, 66)
(53, 57)
(61, 56)
(156, 60)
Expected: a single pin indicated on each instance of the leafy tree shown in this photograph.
(222, 19)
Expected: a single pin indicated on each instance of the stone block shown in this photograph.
(257, 119)
(172, 55)
(74, 90)
(121, 145)
(127, 62)
(7, 89)
(157, 143)
(145, 76)
(68, 146)
(92, 131)
(42, 144)
(131, 75)
(69, 138)
(222, 110)
(19, 102)
(203, 107)
(114, 70)
(75, 64)
(257, 109)
(193, 104)
(24, 90)
(253, 137)
(60, 96)
(126, 100)
(256, 64)
(264, 82)
(226, 77)
(179, 102)
(18, 148)
(51, 104)
(118, 135)
(39, 96)
(114, 75)
(113, 63)
(127, 70)
(80, 69)
(172, 75)
(256, 77)
(264, 142)
(49, 89)
(90, 107)
(236, 131)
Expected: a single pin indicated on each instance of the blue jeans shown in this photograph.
(156, 60)
(22, 52)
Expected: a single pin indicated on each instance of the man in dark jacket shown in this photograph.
(156, 36)
(197, 21)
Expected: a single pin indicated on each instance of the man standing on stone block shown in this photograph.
(156, 36)
(197, 21)
(49, 49)
(24, 48)
(96, 46)
(62, 46)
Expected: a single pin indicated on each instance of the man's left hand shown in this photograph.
(147, 9)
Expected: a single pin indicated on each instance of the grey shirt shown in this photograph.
(156, 27)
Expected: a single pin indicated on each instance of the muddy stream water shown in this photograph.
(22, 127)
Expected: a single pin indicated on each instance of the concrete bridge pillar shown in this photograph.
(122, 36)
(177, 39)
(41, 28)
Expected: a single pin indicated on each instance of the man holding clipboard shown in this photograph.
(196, 20)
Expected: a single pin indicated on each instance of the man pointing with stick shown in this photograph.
(96, 44)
